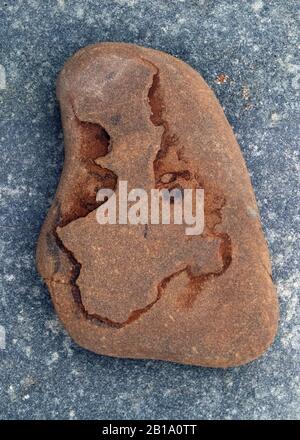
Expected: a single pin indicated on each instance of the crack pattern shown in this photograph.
(96, 142)
(169, 180)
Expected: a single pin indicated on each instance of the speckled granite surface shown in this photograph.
(246, 51)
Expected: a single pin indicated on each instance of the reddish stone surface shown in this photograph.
(136, 114)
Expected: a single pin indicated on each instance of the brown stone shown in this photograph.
(150, 291)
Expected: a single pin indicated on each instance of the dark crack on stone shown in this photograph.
(96, 143)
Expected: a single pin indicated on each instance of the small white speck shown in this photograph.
(12, 393)
(275, 117)
(127, 2)
(26, 397)
(80, 13)
(251, 212)
(20, 318)
(293, 69)
(9, 277)
(61, 4)
(54, 358)
(53, 325)
(257, 6)
(181, 20)
(2, 338)
(2, 78)
(28, 351)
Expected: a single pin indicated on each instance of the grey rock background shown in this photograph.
(43, 374)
